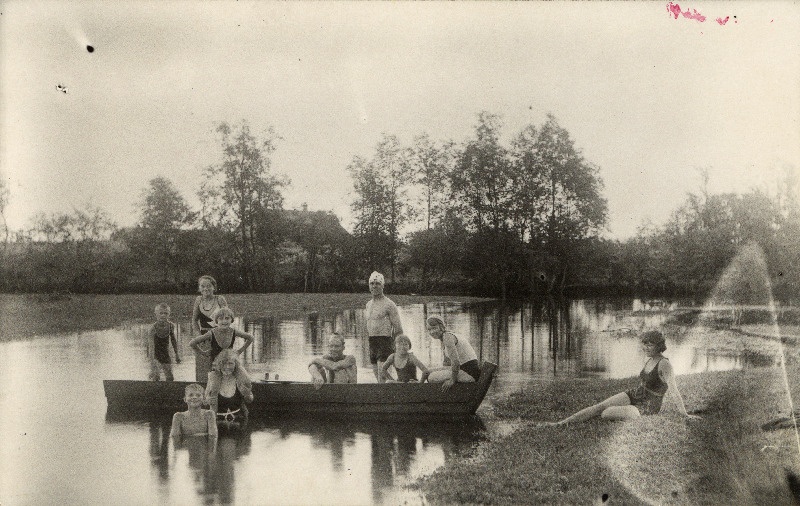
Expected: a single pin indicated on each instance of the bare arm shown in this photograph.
(211, 422)
(175, 431)
(316, 375)
(248, 340)
(347, 361)
(449, 341)
(423, 369)
(151, 343)
(394, 318)
(221, 302)
(194, 343)
(196, 315)
(385, 368)
(667, 375)
(174, 342)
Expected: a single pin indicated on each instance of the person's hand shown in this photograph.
(318, 382)
(424, 377)
(447, 384)
(691, 418)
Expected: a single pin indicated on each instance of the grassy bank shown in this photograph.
(51, 315)
(725, 458)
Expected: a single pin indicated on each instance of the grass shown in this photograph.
(724, 458)
(47, 315)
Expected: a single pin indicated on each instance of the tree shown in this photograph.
(431, 164)
(484, 184)
(382, 206)
(163, 214)
(560, 196)
(240, 193)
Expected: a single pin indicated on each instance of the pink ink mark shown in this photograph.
(723, 21)
(675, 10)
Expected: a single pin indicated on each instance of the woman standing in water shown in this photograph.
(656, 379)
(229, 390)
(205, 305)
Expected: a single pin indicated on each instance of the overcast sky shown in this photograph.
(648, 98)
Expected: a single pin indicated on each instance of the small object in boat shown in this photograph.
(277, 376)
(266, 376)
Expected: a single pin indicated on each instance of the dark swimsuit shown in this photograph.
(407, 373)
(163, 331)
(205, 321)
(230, 408)
(648, 395)
(216, 349)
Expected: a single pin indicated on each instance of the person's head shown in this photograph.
(336, 346)
(162, 311)
(206, 285)
(194, 394)
(223, 316)
(402, 344)
(376, 283)
(435, 327)
(653, 342)
(227, 362)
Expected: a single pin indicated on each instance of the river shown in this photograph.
(59, 445)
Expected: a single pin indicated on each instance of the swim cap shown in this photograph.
(376, 276)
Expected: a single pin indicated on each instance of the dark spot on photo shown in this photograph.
(604, 497)
(90, 49)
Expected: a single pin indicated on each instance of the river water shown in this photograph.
(58, 445)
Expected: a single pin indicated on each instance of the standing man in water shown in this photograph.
(383, 324)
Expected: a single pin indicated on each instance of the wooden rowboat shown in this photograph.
(281, 398)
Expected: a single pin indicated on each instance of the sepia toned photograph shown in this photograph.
(399, 253)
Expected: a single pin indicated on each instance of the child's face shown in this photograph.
(228, 367)
(205, 287)
(336, 349)
(162, 314)
(401, 347)
(193, 398)
(224, 320)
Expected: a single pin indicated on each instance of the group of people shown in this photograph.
(389, 348)
(229, 388)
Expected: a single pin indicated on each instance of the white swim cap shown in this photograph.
(376, 276)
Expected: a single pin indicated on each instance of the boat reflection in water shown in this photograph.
(301, 460)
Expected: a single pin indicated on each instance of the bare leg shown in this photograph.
(621, 413)
(620, 399)
(377, 368)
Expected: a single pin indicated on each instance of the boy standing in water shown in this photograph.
(383, 324)
(161, 334)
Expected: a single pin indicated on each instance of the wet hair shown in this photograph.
(210, 279)
(336, 337)
(224, 356)
(162, 305)
(221, 311)
(654, 337)
(405, 338)
(435, 320)
(194, 386)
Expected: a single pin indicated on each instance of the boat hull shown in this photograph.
(280, 398)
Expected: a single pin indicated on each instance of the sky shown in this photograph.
(649, 98)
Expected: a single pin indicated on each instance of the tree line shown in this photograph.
(481, 216)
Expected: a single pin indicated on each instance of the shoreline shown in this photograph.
(89, 312)
(723, 458)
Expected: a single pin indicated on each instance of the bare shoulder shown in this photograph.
(221, 301)
(664, 365)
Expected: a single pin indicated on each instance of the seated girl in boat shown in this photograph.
(222, 336)
(404, 362)
(460, 359)
(195, 421)
(229, 390)
(656, 380)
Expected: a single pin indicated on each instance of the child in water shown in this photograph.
(195, 421)
(161, 334)
(404, 362)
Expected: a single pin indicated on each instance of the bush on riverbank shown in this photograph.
(725, 458)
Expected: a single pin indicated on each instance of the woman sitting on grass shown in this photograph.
(657, 378)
